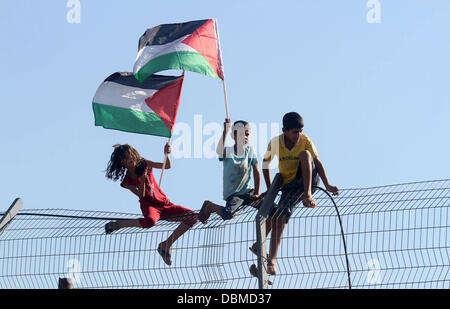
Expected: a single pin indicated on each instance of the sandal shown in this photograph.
(254, 273)
(201, 215)
(309, 202)
(165, 255)
(254, 250)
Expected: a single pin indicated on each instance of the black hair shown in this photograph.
(243, 122)
(292, 120)
(141, 166)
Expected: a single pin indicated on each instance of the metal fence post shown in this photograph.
(10, 214)
(261, 217)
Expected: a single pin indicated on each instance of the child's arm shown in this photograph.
(323, 176)
(266, 173)
(159, 165)
(268, 157)
(221, 145)
(257, 180)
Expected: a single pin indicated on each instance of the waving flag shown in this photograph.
(192, 46)
(122, 103)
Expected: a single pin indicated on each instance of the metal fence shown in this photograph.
(396, 236)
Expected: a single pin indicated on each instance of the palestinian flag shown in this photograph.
(122, 103)
(192, 46)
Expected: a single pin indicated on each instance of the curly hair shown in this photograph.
(115, 169)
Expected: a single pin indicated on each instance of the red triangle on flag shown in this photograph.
(204, 41)
(165, 102)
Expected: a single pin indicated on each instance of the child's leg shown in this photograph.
(306, 165)
(309, 177)
(232, 205)
(188, 219)
(151, 216)
(120, 224)
(207, 209)
(165, 247)
(278, 225)
(277, 221)
(177, 233)
(212, 207)
(268, 226)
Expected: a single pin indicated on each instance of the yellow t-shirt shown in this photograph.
(289, 160)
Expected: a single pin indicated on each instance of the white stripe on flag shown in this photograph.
(150, 52)
(110, 93)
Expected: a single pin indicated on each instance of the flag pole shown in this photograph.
(166, 155)
(225, 95)
(221, 67)
(164, 164)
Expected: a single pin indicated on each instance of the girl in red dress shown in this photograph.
(136, 175)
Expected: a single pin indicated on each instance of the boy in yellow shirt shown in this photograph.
(301, 168)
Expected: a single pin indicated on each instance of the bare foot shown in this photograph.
(111, 227)
(254, 273)
(165, 252)
(271, 269)
(204, 212)
(309, 201)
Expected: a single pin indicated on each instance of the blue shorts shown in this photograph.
(234, 201)
(292, 192)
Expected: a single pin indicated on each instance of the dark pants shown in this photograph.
(292, 192)
(233, 204)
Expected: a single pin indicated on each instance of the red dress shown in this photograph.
(158, 206)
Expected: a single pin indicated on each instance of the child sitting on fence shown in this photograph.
(301, 168)
(154, 203)
(239, 162)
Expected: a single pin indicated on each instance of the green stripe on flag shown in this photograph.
(182, 60)
(128, 120)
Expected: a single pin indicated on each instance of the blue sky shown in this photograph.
(374, 97)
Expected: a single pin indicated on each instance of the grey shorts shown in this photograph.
(292, 192)
(233, 204)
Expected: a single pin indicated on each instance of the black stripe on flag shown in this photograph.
(155, 82)
(167, 33)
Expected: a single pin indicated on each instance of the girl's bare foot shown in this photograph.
(111, 227)
(166, 253)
